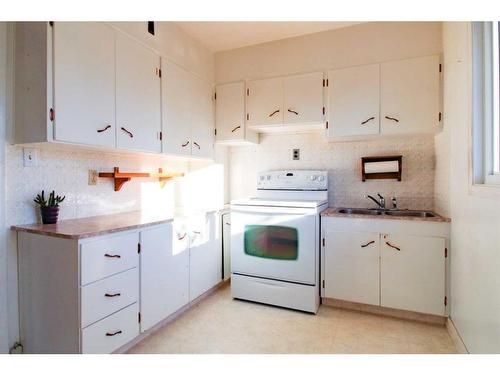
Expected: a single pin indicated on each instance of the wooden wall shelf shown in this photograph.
(121, 177)
(381, 175)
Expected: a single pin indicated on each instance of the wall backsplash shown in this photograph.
(342, 160)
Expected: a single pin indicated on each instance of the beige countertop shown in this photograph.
(95, 225)
(334, 212)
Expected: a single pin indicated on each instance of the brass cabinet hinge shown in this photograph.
(138, 248)
(323, 284)
(159, 72)
(324, 82)
(139, 317)
(323, 110)
(327, 82)
(327, 124)
(440, 116)
(248, 92)
(446, 252)
(323, 242)
(161, 136)
(52, 114)
(445, 301)
(440, 68)
(248, 116)
(215, 96)
(215, 131)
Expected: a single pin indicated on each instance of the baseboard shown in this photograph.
(455, 336)
(125, 348)
(386, 311)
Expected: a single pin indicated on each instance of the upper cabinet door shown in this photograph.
(410, 92)
(303, 99)
(230, 111)
(202, 121)
(265, 102)
(84, 83)
(178, 105)
(138, 96)
(353, 101)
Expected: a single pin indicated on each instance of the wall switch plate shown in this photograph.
(30, 157)
(296, 154)
(92, 177)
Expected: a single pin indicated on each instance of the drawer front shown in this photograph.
(111, 294)
(112, 332)
(105, 257)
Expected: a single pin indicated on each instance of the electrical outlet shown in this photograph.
(92, 177)
(296, 154)
(30, 157)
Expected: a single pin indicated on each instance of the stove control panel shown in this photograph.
(293, 180)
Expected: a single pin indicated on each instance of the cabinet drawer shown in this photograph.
(112, 332)
(111, 294)
(108, 256)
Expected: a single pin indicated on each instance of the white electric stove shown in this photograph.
(275, 240)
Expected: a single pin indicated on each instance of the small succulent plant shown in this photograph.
(52, 201)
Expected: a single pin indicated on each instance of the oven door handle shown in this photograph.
(273, 210)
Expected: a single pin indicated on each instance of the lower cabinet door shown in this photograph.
(351, 266)
(412, 273)
(164, 275)
(111, 333)
(205, 256)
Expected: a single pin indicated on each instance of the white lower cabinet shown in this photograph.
(164, 275)
(405, 271)
(95, 295)
(412, 273)
(352, 266)
(205, 256)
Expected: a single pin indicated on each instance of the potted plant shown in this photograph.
(50, 207)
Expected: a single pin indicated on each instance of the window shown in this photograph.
(485, 103)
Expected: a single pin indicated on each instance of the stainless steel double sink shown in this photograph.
(388, 212)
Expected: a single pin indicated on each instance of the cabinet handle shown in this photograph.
(292, 111)
(196, 232)
(126, 131)
(228, 223)
(391, 118)
(197, 145)
(185, 144)
(236, 128)
(394, 247)
(272, 114)
(368, 244)
(367, 120)
(103, 130)
(112, 295)
(112, 256)
(114, 333)
(180, 238)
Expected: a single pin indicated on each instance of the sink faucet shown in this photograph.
(380, 201)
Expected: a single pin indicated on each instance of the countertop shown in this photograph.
(94, 226)
(334, 212)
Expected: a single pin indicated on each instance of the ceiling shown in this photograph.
(221, 36)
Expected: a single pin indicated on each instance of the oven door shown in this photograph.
(274, 242)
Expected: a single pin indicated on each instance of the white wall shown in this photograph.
(475, 214)
(360, 44)
(3, 253)
(356, 45)
(66, 171)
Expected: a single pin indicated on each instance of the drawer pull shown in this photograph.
(112, 295)
(394, 247)
(112, 256)
(114, 333)
(368, 244)
(364, 122)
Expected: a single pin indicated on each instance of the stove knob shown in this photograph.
(313, 177)
(321, 178)
(268, 177)
(262, 178)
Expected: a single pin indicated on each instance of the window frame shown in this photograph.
(485, 104)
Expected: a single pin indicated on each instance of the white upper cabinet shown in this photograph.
(230, 115)
(292, 103)
(410, 92)
(303, 99)
(202, 122)
(412, 273)
(138, 96)
(353, 101)
(188, 120)
(177, 108)
(265, 102)
(84, 83)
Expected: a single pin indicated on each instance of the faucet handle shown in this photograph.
(394, 202)
(380, 196)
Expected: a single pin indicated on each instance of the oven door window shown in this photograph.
(271, 241)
